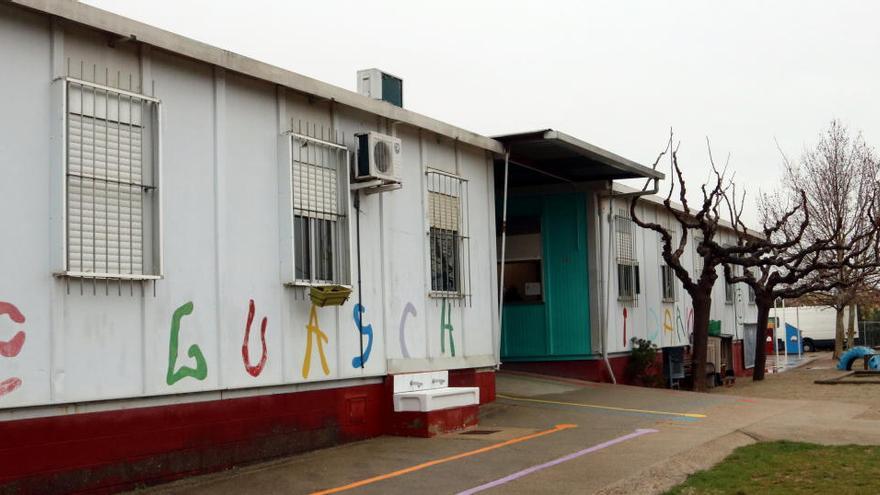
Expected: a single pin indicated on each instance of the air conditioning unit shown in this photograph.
(378, 157)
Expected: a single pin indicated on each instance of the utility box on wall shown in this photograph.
(381, 86)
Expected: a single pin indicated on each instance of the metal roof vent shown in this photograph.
(381, 86)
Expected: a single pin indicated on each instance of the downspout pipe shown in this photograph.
(503, 253)
(611, 248)
(360, 303)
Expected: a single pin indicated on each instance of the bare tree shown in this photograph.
(777, 263)
(703, 221)
(774, 263)
(839, 177)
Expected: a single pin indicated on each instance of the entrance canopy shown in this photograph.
(550, 157)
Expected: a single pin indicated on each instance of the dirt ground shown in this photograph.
(798, 384)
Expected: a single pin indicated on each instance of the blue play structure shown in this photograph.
(850, 356)
(793, 339)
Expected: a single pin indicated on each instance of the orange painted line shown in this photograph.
(417, 467)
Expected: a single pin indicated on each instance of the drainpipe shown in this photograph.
(503, 254)
(605, 296)
(611, 247)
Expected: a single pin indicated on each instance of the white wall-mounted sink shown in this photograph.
(436, 399)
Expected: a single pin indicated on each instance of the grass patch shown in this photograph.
(789, 467)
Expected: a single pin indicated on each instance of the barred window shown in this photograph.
(729, 292)
(667, 280)
(112, 209)
(628, 281)
(319, 187)
(448, 234)
(751, 295)
(628, 285)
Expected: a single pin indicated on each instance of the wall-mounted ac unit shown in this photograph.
(378, 157)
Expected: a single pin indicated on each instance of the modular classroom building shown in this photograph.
(570, 239)
(175, 217)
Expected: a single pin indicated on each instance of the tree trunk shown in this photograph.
(851, 331)
(761, 338)
(702, 305)
(838, 333)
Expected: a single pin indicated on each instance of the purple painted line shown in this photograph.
(525, 472)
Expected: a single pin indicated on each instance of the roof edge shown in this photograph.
(603, 155)
(103, 20)
(592, 151)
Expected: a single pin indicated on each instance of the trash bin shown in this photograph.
(673, 365)
(768, 346)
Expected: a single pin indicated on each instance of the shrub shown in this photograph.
(642, 366)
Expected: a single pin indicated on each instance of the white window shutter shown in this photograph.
(444, 210)
(315, 191)
(105, 195)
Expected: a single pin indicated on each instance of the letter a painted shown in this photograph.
(321, 339)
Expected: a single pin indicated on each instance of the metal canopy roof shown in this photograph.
(549, 156)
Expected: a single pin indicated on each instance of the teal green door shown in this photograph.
(558, 327)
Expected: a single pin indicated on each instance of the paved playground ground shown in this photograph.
(561, 436)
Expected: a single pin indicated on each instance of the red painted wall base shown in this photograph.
(473, 378)
(429, 424)
(593, 370)
(106, 452)
(110, 451)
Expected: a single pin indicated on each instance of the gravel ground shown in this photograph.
(798, 384)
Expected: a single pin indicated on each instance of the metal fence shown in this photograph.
(869, 331)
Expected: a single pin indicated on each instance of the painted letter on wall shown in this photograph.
(12, 347)
(359, 311)
(409, 309)
(201, 369)
(314, 329)
(245, 352)
(667, 321)
(446, 326)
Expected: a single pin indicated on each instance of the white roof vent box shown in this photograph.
(381, 86)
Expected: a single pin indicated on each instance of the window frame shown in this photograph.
(519, 226)
(154, 241)
(667, 280)
(729, 293)
(635, 282)
(343, 253)
(626, 259)
(460, 238)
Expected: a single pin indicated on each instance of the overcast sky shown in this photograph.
(616, 74)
